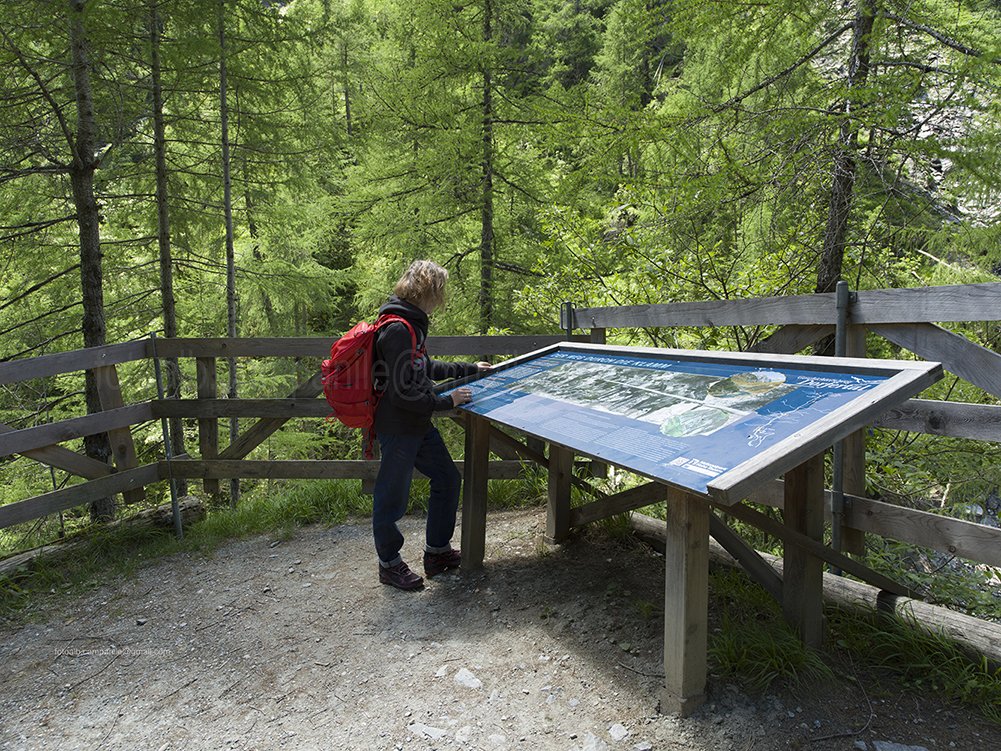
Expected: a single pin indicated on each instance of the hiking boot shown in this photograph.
(400, 576)
(435, 563)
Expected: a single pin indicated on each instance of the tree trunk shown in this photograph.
(487, 216)
(843, 180)
(172, 366)
(347, 93)
(227, 187)
(81, 171)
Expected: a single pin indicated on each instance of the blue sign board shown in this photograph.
(685, 421)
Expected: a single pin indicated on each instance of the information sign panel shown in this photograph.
(702, 421)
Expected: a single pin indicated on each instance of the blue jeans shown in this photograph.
(400, 455)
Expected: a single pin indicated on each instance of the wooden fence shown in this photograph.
(906, 317)
(128, 477)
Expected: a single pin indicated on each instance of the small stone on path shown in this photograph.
(467, 679)
(618, 732)
(418, 728)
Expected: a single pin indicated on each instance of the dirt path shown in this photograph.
(294, 644)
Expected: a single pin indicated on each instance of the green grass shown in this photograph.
(755, 645)
(281, 509)
(754, 642)
(924, 660)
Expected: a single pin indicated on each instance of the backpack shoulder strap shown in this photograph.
(390, 318)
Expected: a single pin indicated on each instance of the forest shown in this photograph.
(241, 168)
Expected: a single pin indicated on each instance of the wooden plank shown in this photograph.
(958, 302)
(259, 431)
(76, 495)
(791, 339)
(800, 446)
(686, 603)
(319, 347)
(853, 540)
(979, 422)
(802, 585)
(775, 528)
(475, 346)
(958, 355)
(43, 366)
(965, 302)
(41, 436)
(123, 448)
(749, 558)
(265, 346)
(620, 503)
(474, 492)
(208, 427)
(975, 542)
(558, 496)
(210, 409)
(300, 469)
(764, 311)
(499, 436)
(66, 460)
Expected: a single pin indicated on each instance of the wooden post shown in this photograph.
(598, 469)
(853, 540)
(686, 603)
(474, 491)
(368, 483)
(208, 428)
(803, 596)
(558, 504)
(123, 448)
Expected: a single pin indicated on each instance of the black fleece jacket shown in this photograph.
(408, 379)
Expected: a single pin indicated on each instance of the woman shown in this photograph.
(403, 427)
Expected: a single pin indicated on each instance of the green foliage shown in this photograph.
(960, 585)
(927, 661)
(754, 641)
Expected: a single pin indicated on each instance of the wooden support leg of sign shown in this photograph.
(686, 603)
(853, 540)
(474, 491)
(558, 506)
(803, 595)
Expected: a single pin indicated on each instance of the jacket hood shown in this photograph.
(398, 307)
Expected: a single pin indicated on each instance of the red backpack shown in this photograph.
(347, 378)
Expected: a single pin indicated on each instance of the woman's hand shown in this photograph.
(484, 366)
(461, 396)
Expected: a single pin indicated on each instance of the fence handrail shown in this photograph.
(959, 302)
(45, 366)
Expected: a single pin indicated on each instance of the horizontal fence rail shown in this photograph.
(906, 317)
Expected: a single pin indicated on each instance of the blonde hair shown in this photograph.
(423, 285)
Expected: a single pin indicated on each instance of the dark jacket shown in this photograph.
(409, 399)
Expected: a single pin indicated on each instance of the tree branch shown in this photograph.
(938, 35)
(786, 71)
(67, 134)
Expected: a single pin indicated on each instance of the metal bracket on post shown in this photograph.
(566, 318)
(165, 427)
(844, 298)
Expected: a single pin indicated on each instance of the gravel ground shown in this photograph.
(294, 644)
